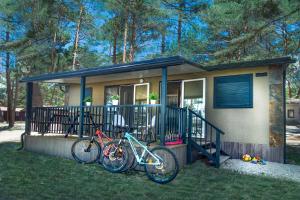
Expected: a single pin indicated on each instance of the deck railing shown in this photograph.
(143, 121)
(176, 124)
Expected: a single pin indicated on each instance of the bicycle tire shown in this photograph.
(82, 155)
(172, 163)
(113, 152)
(131, 158)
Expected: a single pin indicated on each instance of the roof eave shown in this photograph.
(247, 64)
(114, 69)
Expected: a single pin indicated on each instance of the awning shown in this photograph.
(140, 69)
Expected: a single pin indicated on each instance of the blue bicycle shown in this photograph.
(160, 163)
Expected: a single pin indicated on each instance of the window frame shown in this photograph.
(217, 79)
(85, 92)
(289, 113)
(134, 91)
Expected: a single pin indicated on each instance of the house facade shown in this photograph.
(243, 101)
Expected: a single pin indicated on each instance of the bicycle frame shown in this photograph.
(140, 158)
(100, 136)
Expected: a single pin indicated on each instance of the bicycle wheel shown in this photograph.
(114, 156)
(86, 151)
(131, 158)
(167, 170)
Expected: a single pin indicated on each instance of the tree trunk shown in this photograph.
(114, 57)
(53, 54)
(76, 41)
(285, 39)
(9, 93)
(179, 30)
(163, 42)
(125, 40)
(298, 94)
(16, 95)
(133, 38)
(37, 100)
(289, 89)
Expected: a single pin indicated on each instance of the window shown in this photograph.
(89, 92)
(173, 93)
(141, 93)
(125, 92)
(233, 91)
(111, 91)
(291, 113)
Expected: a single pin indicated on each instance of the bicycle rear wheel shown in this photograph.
(167, 170)
(131, 158)
(86, 151)
(114, 156)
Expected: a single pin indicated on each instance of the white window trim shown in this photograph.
(204, 90)
(134, 90)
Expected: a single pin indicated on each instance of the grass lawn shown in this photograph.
(293, 154)
(25, 175)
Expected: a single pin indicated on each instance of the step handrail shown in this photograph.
(197, 115)
(191, 141)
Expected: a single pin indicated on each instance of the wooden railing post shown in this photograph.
(29, 90)
(163, 101)
(82, 96)
(184, 124)
(189, 145)
(218, 148)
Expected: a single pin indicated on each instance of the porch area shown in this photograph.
(142, 121)
(179, 125)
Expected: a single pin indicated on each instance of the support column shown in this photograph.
(163, 102)
(82, 96)
(276, 113)
(29, 89)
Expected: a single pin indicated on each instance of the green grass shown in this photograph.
(293, 154)
(25, 175)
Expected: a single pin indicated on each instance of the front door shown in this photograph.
(126, 93)
(193, 95)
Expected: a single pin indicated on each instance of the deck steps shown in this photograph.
(204, 143)
(223, 159)
(211, 150)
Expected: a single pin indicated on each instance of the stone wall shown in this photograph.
(276, 108)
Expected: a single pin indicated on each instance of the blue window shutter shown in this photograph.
(233, 91)
(88, 92)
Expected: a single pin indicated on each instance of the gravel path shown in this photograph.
(293, 129)
(277, 170)
(11, 135)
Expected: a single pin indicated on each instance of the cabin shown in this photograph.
(19, 114)
(293, 112)
(217, 111)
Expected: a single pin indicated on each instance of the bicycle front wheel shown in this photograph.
(168, 168)
(86, 151)
(114, 156)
